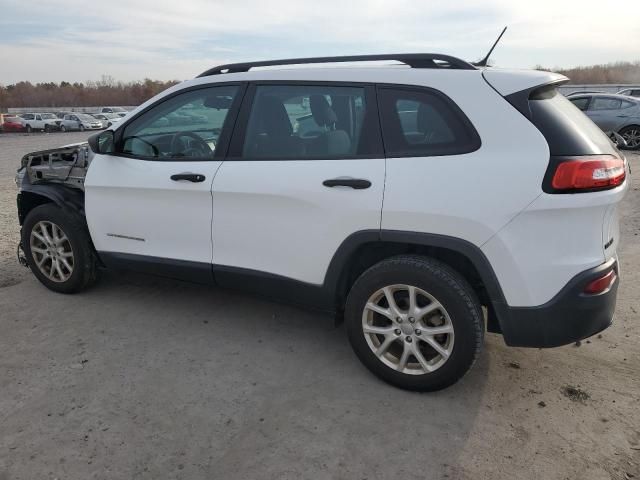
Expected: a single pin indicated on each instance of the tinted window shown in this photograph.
(605, 103)
(567, 130)
(27, 116)
(186, 125)
(308, 121)
(581, 103)
(423, 123)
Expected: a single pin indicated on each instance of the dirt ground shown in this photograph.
(153, 379)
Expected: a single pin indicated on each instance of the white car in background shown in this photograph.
(107, 119)
(80, 121)
(38, 121)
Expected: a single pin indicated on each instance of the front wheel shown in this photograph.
(414, 322)
(81, 128)
(58, 249)
(63, 128)
(28, 129)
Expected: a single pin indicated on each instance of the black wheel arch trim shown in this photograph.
(65, 197)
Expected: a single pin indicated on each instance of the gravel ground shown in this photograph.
(148, 378)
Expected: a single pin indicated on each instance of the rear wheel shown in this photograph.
(81, 128)
(58, 249)
(632, 136)
(414, 322)
(47, 128)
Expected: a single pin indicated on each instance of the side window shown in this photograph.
(309, 121)
(581, 103)
(38, 117)
(626, 104)
(423, 123)
(187, 125)
(605, 103)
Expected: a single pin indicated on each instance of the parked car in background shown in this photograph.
(113, 110)
(107, 119)
(10, 123)
(39, 121)
(631, 92)
(121, 114)
(613, 113)
(80, 121)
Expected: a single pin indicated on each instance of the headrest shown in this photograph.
(322, 112)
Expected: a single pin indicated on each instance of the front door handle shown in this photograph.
(190, 177)
(355, 183)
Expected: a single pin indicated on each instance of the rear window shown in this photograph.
(568, 131)
(423, 122)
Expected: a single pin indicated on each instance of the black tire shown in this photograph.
(81, 128)
(47, 128)
(28, 128)
(631, 131)
(450, 289)
(63, 128)
(85, 266)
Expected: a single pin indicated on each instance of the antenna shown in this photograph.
(485, 60)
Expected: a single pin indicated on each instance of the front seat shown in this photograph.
(269, 132)
(332, 142)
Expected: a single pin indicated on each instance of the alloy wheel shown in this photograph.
(51, 251)
(408, 329)
(632, 137)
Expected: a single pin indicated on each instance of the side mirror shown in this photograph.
(102, 142)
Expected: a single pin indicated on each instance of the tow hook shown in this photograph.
(22, 258)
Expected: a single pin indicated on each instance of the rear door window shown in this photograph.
(605, 103)
(423, 122)
(306, 121)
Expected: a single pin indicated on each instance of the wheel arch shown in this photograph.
(364, 249)
(31, 196)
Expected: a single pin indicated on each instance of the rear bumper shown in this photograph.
(568, 317)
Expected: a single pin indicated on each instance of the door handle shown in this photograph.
(355, 183)
(190, 177)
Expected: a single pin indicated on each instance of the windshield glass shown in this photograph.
(85, 118)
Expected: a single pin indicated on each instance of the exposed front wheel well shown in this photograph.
(27, 201)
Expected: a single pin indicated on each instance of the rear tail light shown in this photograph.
(601, 284)
(589, 173)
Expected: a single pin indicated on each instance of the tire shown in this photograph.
(455, 312)
(83, 271)
(81, 128)
(632, 135)
(63, 128)
(47, 128)
(28, 128)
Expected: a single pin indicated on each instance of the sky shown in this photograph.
(51, 41)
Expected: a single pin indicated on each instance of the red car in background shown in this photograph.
(10, 123)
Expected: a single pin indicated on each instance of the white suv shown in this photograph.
(417, 201)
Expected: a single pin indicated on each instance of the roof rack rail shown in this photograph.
(414, 60)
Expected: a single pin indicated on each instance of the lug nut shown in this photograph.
(411, 319)
(397, 331)
(418, 331)
(408, 339)
(399, 320)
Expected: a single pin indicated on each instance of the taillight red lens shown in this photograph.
(601, 284)
(589, 173)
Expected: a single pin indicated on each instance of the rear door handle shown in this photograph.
(355, 183)
(190, 177)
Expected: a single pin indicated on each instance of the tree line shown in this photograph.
(77, 94)
(618, 72)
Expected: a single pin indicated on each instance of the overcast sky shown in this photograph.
(73, 40)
